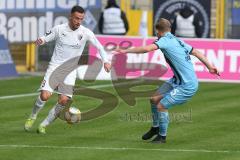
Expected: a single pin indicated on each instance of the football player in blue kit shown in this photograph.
(181, 87)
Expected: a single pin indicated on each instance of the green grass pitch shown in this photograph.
(205, 128)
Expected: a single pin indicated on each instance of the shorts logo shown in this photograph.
(174, 92)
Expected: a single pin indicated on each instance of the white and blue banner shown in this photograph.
(7, 66)
(25, 20)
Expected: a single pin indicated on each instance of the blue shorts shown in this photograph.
(174, 94)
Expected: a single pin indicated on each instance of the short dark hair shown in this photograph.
(163, 25)
(77, 9)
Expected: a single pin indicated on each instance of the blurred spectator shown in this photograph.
(113, 20)
(187, 24)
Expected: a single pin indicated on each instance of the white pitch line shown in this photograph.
(93, 87)
(19, 95)
(120, 149)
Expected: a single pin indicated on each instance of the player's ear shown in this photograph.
(70, 17)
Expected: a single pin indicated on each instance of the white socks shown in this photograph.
(52, 115)
(37, 107)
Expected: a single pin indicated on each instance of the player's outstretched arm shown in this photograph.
(138, 50)
(203, 59)
(40, 41)
(49, 36)
(107, 65)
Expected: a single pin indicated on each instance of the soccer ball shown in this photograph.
(72, 115)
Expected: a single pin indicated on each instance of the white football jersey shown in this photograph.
(70, 44)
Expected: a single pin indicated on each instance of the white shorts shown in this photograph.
(57, 82)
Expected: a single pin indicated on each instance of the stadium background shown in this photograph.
(22, 30)
(207, 127)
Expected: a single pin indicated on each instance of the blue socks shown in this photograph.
(163, 123)
(160, 119)
(155, 115)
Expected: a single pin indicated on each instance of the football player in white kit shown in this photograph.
(70, 39)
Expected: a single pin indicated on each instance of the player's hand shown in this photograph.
(107, 67)
(214, 70)
(39, 42)
(119, 50)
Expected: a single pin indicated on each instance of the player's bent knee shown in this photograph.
(161, 108)
(63, 100)
(152, 100)
(155, 100)
(45, 95)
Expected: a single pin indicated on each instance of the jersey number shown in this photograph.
(43, 83)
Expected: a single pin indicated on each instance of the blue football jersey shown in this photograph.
(177, 54)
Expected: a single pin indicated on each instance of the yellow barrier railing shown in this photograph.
(30, 56)
(134, 18)
(220, 20)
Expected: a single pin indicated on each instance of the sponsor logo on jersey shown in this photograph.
(48, 32)
(80, 37)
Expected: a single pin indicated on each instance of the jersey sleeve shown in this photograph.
(51, 35)
(186, 46)
(92, 38)
(161, 43)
